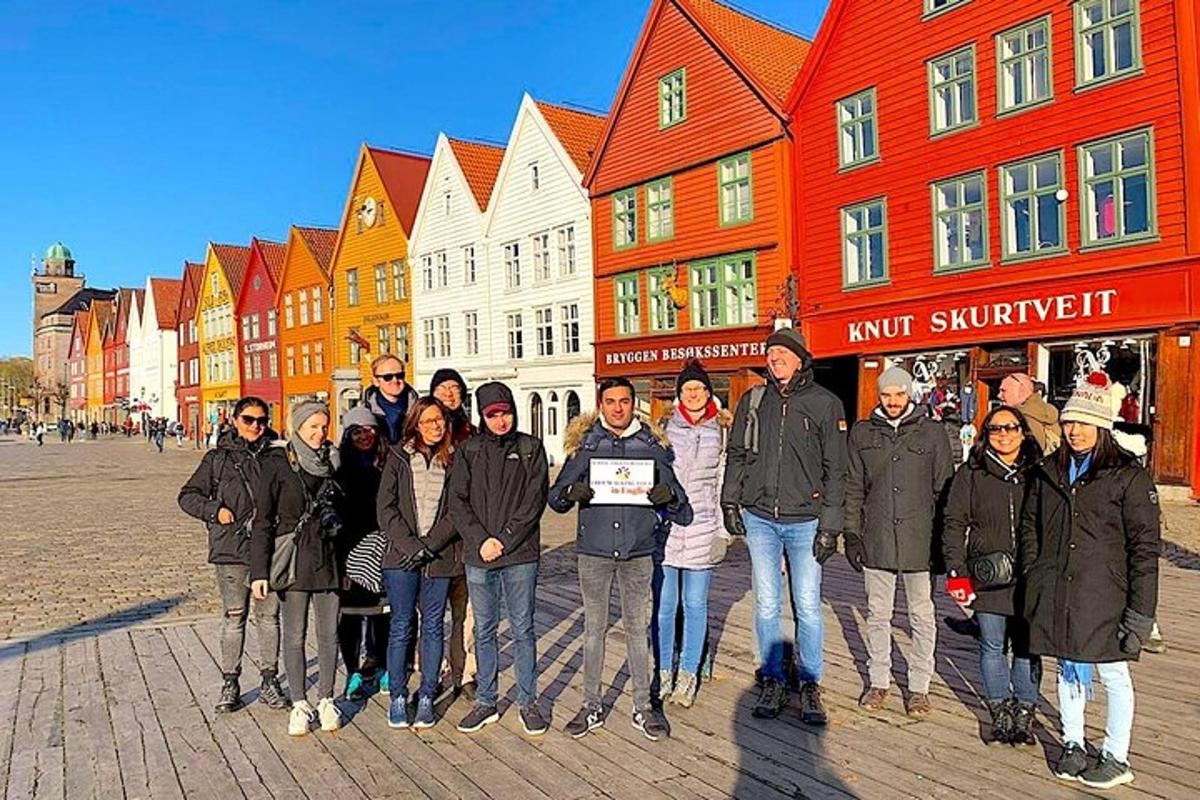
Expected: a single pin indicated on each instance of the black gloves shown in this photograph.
(659, 495)
(418, 560)
(824, 546)
(733, 520)
(1134, 631)
(579, 493)
(854, 552)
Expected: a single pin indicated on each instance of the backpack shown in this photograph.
(750, 435)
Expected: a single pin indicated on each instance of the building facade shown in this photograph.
(302, 307)
(219, 290)
(77, 365)
(54, 287)
(187, 380)
(691, 200)
(996, 187)
(153, 371)
(98, 324)
(258, 327)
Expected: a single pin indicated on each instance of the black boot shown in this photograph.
(1022, 726)
(1002, 722)
(231, 695)
(271, 694)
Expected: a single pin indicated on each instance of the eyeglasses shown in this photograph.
(388, 377)
(436, 422)
(247, 419)
(1010, 427)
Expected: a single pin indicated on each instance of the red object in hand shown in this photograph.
(961, 590)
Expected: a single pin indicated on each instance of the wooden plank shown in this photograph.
(38, 753)
(12, 664)
(92, 769)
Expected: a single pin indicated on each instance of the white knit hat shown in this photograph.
(1091, 402)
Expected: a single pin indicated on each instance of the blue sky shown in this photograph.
(137, 132)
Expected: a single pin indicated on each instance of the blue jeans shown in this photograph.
(768, 540)
(695, 616)
(1072, 703)
(995, 630)
(404, 590)
(519, 585)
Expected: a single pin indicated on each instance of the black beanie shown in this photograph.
(792, 340)
(692, 371)
(446, 374)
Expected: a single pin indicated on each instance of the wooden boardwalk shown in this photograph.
(126, 712)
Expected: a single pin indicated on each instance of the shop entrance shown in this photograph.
(840, 376)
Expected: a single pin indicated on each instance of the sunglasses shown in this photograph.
(1010, 427)
(388, 377)
(247, 419)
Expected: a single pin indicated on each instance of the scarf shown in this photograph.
(1079, 465)
(708, 413)
(319, 463)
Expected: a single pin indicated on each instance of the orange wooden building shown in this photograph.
(991, 187)
(691, 199)
(302, 314)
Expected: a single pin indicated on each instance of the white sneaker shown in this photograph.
(331, 718)
(300, 718)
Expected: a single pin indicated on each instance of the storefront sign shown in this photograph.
(672, 355)
(258, 347)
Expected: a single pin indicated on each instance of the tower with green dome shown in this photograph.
(54, 286)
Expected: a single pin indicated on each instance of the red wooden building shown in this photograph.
(259, 339)
(187, 382)
(691, 202)
(990, 187)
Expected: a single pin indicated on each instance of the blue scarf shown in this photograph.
(1077, 675)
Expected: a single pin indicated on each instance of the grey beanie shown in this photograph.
(302, 412)
(360, 416)
(896, 376)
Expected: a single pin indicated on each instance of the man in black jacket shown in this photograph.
(221, 494)
(389, 397)
(617, 542)
(785, 472)
(900, 463)
(498, 485)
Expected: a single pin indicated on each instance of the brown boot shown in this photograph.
(873, 699)
(918, 705)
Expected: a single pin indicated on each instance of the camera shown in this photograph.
(328, 516)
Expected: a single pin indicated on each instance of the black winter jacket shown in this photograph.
(620, 532)
(498, 487)
(982, 513)
(397, 510)
(281, 503)
(897, 477)
(373, 401)
(359, 479)
(795, 468)
(226, 477)
(1088, 552)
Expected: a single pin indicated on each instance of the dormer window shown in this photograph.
(535, 177)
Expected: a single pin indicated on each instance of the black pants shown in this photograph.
(356, 647)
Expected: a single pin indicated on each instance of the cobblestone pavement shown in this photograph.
(91, 536)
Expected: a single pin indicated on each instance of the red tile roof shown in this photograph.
(102, 309)
(772, 55)
(272, 255)
(577, 131)
(166, 301)
(193, 273)
(125, 300)
(83, 318)
(403, 176)
(234, 259)
(321, 242)
(139, 297)
(480, 164)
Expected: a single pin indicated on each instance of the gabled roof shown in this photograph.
(139, 299)
(166, 301)
(234, 259)
(81, 300)
(403, 176)
(193, 273)
(272, 256)
(829, 24)
(125, 300)
(321, 242)
(101, 311)
(577, 131)
(480, 163)
(83, 318)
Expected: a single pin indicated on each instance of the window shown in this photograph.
(355, 346)
(255, 326)
(381, 292)
(535, 178)
(471, 324)
(302, 303)
(541, 257)
(245, 326)
(672, 98)
(568, 315)
(273, 364)
(191, 330)
(291, 361)
(352, 287)
(512, 265)
(723, 292)
(272, 325)
(399, 280)
(216, 284)
(443, 335)
(402, 343)
(247, 367)
(1108, 40)
(566, 250)
(470, 276)
(1025, 72)
(318, 350)
(660, 212)
(443, 271)
(1033, 218)
(516, 337)
(305, 359)
(446, 204)
(318, 310)
(733, 175)
(662, 310)
(383, 336)
(194, 370)
(1118, 189)
(960, 223)
(544, 321)
(629, 314)
(182, 338)
(289, 311)
(427, 272)
(864, 244)
(429, 338)
(938, 6)
(625, 219)
(952, 91)
(857, 128)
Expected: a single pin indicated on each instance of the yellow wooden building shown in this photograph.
(101, 310)
(370, 272)
(303, 318)
(217, 330)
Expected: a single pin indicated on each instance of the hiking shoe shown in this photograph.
(685, 690)
(1001, 729)
(300, 719)
(918, 706)
(1072, 763)
(479, 716)
(873, 699)
(398, 713)
(1022, 723)
(532, 721)
(812, 709)
(1106, 773)
(271, 693)
(588, 719)
(231, 695)
(666, 683)
(424, 718)
(328, 713)
(771, 699)
(383, 684)
(356, 688)
(652, 723)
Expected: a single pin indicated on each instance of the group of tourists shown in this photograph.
(1047, 534)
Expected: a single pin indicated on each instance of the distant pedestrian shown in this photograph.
(1020, 391)
(160, 433)
(40, 433)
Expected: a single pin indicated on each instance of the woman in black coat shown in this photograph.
(983, 510)
(1089, 541)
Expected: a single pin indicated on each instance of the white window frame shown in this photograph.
(951, 88)
(568, 314)
(858, 127)
(516, 335)
(1024, 64)
(471, 326)
(512, 265)
(566, 250)
(958, 217)
(542, 271)
(1106, 28)
(543, 318)
(1033, 196)
(857, 233)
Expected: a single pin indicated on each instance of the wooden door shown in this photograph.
(1174, 411)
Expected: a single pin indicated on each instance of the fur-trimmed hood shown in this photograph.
(578, 429)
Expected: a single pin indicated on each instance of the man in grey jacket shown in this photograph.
(900, 463)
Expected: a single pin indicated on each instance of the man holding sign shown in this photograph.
(618, 471)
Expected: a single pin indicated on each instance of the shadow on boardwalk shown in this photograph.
(124, 618)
